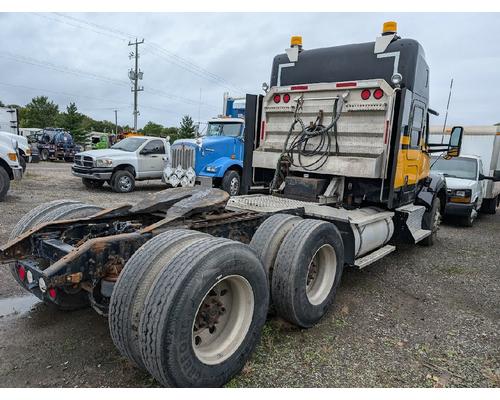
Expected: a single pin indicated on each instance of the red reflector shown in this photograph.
(365, 94)
(52, 293)
(22, 273)
(263, 130)
(386, 132)
(277, 98)
(286, 98)
(347, 84)
(299, 88)
(378, 93)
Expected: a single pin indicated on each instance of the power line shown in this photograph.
(163, 53)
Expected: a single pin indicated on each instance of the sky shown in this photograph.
(189, 60)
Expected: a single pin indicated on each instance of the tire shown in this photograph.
(489, 206)
(44, 155)
(298, 296)
(4, 183)
(92, 183)
(268, 238)
(22, 162)
(231, 182)
(135, 280)
(54, 211)
(175, 346)
(122, 182)
(431, 221)
(467, 221)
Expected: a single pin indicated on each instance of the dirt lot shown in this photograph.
(420, 317)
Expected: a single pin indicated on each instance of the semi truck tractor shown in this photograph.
(187, 276)
(217, 158)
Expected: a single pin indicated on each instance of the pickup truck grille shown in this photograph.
(84, 161)
(183, 155)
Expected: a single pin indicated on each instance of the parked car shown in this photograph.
(466, 184)
(10, 168)
(132, 159)
(24, 147)
(55, 144)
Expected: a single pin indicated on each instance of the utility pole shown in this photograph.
(134, 75)
(116, 122)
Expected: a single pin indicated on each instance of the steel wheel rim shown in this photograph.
(219, 329)
(125, 183)
(321, 274)
(234, 186)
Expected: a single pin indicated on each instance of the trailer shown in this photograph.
(187, 276)
(484, 142)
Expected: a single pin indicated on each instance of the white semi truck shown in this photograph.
(186, 276)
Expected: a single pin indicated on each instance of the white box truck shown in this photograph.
(482, 141)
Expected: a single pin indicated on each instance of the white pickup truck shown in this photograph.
(466, 185)
(132, 159)
(10, 169)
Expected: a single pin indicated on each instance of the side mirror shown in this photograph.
(494, 178)
(455, 142)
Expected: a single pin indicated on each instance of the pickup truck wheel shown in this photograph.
(44, 155)
(268, 238)
(22, 163)
(468, 221)
(54, 211)
(92, 183)
(204, 314)
(122, 181)
(231, 182)
(431, 221)
(135, 280)
(307, 272)
(489, 206)
(4, 183)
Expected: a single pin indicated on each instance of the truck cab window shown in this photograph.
(155, 147)
(224, 129)
(416, 127)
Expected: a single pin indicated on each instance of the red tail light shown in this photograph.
(52, 293)
(378, 93)
(365, 94)
(277, 98)
(286, 98)
(21, 272)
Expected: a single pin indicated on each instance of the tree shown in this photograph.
(40, 113)
(153, 129)
(187, 128)
(71, 120)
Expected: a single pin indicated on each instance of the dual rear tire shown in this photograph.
(194, 310)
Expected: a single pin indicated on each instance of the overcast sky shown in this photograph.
(85, 58)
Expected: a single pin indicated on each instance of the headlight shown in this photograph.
(211, 168)
(103, 162)
(460, 193)
(461, 196)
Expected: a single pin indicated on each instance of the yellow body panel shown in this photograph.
(413, 165)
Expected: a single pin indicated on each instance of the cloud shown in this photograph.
(225, 52)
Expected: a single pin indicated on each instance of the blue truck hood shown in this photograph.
(206, 141)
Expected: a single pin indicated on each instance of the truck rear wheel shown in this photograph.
(231, 182)
(92, 183)
(4, 183)
(268, 238)
(307, 272)
(204, 314)
(134, 282)
(489, 206)
(54, 211)
(123, 181)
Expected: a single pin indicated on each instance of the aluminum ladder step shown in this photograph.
(374, 256)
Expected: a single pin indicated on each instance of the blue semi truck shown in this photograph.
(220, 156)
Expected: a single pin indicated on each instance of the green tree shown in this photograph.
(71, 120)
(153, 129)
(40, 113)
(187, 128)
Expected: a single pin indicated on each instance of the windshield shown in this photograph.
(223, 129)
(129, 144)
(459, 167)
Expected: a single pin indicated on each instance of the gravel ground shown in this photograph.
(421, 317)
